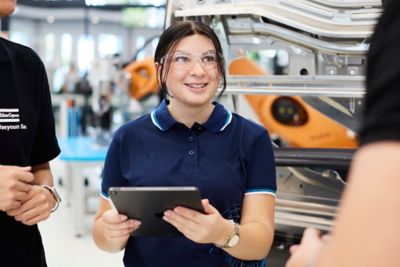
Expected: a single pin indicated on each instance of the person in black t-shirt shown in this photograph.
(27, 144)
(366, 232)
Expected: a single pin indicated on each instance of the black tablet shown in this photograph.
(148, 204)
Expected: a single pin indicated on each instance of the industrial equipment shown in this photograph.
(311, 102)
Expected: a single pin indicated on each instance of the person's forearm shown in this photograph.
(366, 229)
(42, 174)
(102, 242)
(255, 242)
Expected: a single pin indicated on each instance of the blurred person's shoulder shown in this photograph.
(381, 114)
(21, 55)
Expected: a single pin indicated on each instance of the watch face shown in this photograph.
(234, 241)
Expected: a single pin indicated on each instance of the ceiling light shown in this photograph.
(50, 19)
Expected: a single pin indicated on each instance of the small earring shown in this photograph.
(220, 83)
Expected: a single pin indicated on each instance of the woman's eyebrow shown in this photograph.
(181, 51)
(187, 52)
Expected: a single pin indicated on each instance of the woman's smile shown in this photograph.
(197, 87)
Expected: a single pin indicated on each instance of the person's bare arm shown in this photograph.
(42, 174)
(257, 227)
(366, 232)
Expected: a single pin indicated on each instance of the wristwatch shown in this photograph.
(233, 239)
(55, 194)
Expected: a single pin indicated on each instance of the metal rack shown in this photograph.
(325, 40)
(308, 86)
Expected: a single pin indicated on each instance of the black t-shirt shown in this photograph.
(382, 107)
(27, 138)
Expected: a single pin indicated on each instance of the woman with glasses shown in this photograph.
(190, 140)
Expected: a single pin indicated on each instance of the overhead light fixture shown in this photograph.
(50, 19)
(95, 19)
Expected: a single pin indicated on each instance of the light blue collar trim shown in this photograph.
(155, 121)
(227, 122)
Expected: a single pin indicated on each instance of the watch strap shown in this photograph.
(228, 239)
(55, 195)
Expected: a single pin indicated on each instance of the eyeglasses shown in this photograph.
(185, 61)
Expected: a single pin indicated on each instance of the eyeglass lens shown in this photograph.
(186, 60)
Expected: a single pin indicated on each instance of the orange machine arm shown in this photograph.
(143, 78)
(307, 128)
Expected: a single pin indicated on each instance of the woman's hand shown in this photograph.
(117, 227)
(111, 230)
(198, 227)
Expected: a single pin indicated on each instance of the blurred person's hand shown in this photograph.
(305, 253)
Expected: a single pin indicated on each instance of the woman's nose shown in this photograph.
(197, 67)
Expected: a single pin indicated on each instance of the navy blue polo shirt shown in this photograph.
(226, 158)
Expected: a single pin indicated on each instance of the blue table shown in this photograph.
(78, 154)
(81, 149)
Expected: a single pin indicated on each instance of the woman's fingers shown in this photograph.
(118, 225)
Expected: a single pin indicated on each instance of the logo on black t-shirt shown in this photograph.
(10, 120)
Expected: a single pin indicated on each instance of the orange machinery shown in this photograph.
(143, 78)
(295, 122)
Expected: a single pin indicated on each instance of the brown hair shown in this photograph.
(170, 39)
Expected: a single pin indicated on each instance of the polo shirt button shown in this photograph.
(199, 128)
(190, 139)
(191, 152)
